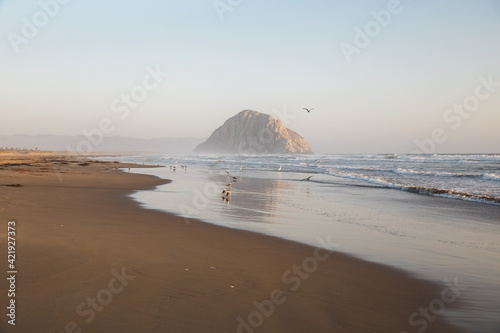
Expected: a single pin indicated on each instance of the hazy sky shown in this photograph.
(379, 74)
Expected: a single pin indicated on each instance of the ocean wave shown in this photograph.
(488, 176)
(407, 171)
(491, 176)
(450, 158)
(370, 168)
(452, 194)
(447, 193)
(435, 174)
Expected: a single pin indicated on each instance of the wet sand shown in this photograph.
(90, 259)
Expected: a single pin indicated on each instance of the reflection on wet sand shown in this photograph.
(254, 199)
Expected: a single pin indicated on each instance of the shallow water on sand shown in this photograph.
(434, 238)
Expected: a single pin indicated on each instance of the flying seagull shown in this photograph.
(306, 178)
(308, 110)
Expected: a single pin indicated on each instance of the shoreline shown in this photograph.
(76, 235)
(435, 239)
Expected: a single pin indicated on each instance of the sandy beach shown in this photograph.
(90, 259)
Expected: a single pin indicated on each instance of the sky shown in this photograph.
(382, 76)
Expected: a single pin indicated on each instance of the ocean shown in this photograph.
(434, 216)
(474, 177)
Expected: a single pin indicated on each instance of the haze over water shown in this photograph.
(272, 57)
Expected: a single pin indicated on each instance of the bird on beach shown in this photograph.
(223, 191)
(229, 185)
(307, 179)
(308, 110)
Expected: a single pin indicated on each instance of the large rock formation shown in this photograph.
(251, 132)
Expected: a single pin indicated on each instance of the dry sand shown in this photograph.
(80, 240)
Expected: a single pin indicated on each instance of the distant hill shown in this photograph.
(251, 132)
(108, 144)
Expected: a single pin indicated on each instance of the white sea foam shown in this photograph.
(436, 174)
(491, 176)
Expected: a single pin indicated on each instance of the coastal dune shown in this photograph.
(90, 259)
